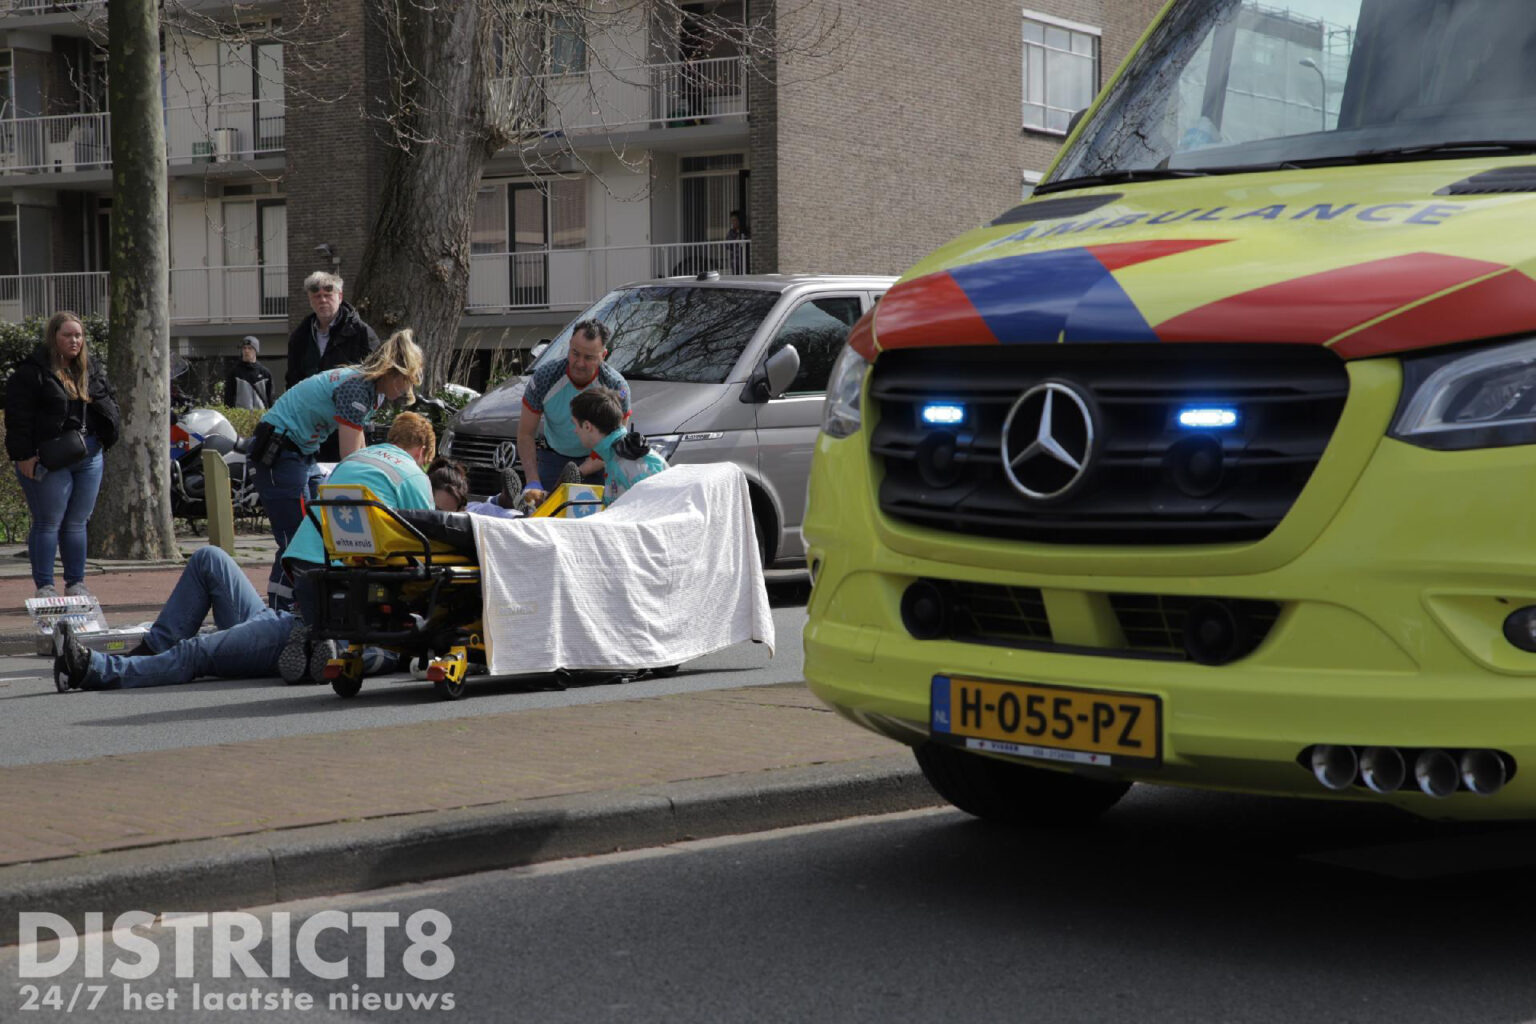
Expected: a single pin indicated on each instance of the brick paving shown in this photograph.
(70, 808)
(118, 802)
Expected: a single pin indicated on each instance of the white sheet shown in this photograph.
(668, 573)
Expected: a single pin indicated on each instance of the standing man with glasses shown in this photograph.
(331, 336)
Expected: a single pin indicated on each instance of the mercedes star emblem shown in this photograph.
(1048, 442)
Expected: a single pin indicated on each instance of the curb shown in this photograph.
(324, 860)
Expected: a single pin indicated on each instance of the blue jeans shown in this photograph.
(552, 464)
(250, 636)
(282, 485)
(61, 504)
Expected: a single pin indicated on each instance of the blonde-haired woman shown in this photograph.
(337, 401)
(55, 392)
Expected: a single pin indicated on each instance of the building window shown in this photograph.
(567, 45)
(1061, 71)
(7, 86)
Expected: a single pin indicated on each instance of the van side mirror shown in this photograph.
(538, 349)
(1072, 124)
(777, 373)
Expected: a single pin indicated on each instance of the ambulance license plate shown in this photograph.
(1053, 723)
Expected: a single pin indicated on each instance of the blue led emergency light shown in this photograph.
(943, 414)
(1207, 417)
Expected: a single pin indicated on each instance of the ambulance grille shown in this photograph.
(1152, 481)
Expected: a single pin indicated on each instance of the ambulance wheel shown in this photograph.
(347, 686)
(450, 690)
(1009, 793)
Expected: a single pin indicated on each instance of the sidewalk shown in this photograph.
(245, 824)
(130, 592)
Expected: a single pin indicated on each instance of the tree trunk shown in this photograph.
(133, 517)
(415, 269)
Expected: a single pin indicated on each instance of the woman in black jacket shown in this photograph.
(55, 390)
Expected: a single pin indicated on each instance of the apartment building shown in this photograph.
(882, 129)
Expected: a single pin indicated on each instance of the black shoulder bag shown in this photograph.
(65, 450)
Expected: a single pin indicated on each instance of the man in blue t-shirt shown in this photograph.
(547, 402)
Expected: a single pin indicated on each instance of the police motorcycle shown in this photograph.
(193, 431)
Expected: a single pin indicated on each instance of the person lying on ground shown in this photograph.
(248, 644)
(253, 640)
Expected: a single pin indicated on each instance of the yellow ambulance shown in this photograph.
(1213, 463)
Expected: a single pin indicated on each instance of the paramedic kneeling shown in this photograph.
(598, 418)
(393, 473)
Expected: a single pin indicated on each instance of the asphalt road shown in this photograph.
(41, 725)
(1177, 907)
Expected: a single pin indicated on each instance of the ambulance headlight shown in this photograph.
(1482, 398)
(840, 416)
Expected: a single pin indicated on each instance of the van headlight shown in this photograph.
(1454, 401)
(840, 414)
(445, 443)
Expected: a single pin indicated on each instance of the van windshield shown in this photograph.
(1231, 85)
(684, 335)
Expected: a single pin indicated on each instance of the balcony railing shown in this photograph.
(575, 278)
(211, 133)
(646, 95)
(49, 6)
(226, 294)
(27, 295)
(222, 132)
(68, 142)
(198, 295)
(498, 282)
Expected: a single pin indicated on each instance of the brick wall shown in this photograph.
(763, 151)
(335, 158)
(915, 136)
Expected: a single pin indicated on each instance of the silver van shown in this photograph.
(730, 367)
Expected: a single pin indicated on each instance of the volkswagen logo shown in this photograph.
(504, 456)
(1048, 441)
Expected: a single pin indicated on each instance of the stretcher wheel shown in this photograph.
(347, 686)
(448, 673)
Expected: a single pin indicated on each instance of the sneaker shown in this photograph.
(320, 656)
(293, 660)
(71, 659)
(46, 591)
(571, 474)
(511, 488)
(77, 590)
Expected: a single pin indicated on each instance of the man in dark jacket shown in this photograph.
(257, 393)
(333, 335)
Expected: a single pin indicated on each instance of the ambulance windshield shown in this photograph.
(1227, 85)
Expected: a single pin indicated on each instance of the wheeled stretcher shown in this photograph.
(407, 581)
